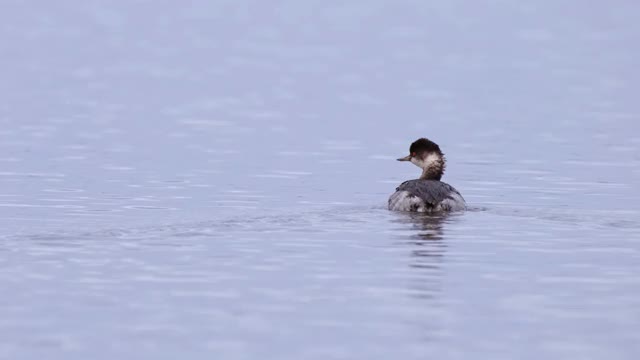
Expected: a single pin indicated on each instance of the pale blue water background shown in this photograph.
(208, 180)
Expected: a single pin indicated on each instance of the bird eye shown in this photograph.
(413, 153)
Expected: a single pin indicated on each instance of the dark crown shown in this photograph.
(424, 145)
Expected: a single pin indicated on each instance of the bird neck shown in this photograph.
(434, 168)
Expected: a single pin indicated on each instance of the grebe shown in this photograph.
(428, 193)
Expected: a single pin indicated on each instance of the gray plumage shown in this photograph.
(426, 196)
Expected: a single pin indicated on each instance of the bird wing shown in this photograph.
(433, 192)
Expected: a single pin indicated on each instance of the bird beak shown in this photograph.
(406, 158)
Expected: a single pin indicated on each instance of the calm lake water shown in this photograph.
(208, 180)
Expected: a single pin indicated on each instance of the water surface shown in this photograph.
(210, 179)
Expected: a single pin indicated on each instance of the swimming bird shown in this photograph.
(426, 194)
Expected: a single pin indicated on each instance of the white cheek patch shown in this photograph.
(431, 160)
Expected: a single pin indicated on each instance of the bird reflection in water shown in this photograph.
(428, 246)
(428, 239)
